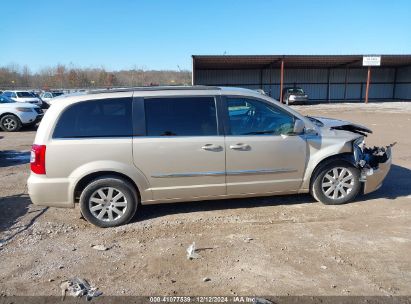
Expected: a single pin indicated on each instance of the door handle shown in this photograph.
(240, 146)
(211, 147)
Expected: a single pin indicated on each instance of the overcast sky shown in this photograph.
(154, 34)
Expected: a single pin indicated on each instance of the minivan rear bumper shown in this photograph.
(52, 192)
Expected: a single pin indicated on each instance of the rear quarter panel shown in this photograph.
(74, 159)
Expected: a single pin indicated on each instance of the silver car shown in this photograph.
(112, 150)
(294, 95)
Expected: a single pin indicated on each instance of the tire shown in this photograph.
(10, 123)
(44, 105)
(287, 101)
(336, 191)
(99, 205)
(30, 125)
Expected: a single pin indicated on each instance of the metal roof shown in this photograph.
(216, 62)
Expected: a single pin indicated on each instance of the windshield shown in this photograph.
(4, 99)
(24, 94)
(55, 94)
(296, 90)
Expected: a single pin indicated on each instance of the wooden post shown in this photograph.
(368, 84)
(281, 80)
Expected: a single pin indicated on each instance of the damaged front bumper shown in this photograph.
(374, 163)
(374, 181)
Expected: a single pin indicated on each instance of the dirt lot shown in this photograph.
(298, 246)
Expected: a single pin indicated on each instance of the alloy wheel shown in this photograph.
(108, 204)
(9, 124)
(337, 183)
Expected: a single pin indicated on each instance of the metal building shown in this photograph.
(323, 77)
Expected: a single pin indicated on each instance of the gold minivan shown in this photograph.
(112, 150)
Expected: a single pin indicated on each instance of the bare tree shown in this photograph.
(59, 76)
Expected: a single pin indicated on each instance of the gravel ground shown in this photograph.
(284, 245)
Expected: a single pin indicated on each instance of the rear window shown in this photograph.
(180, 116)
(97, 118)
(24, 94)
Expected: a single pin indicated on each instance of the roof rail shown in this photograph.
(156, 88)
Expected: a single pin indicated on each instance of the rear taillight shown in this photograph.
(38, 159)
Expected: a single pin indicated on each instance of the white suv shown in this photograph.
(23, 96)
(112, 150)
(14, 115)
(48, 96)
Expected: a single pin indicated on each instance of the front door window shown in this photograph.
(254, 117)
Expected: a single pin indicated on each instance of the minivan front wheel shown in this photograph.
(108, 202)
(336, 183)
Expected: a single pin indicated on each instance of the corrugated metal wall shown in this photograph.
(403, 86)
(315, 81)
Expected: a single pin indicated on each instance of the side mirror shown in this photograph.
(298, 127)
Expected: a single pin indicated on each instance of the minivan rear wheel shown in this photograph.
(336, 183)
(108, 202)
